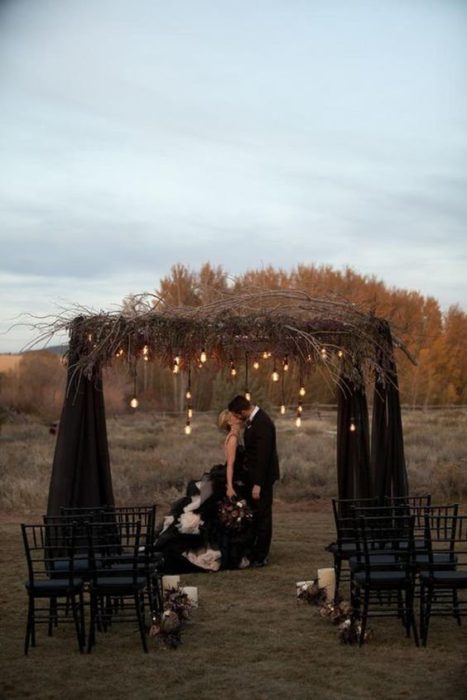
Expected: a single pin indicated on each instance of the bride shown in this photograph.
(210, 527)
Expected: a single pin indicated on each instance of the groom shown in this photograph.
(262, 464)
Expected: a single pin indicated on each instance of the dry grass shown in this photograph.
(248, 639)
(152, 459)
(9, 362)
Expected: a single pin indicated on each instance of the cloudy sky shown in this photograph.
(134, 135)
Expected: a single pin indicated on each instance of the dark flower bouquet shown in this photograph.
(234, 513)
(169, 624)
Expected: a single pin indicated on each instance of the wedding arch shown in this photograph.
(352, 345)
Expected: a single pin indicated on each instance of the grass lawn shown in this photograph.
(248, 639)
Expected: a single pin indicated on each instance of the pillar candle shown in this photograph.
(327, 580)
(192, 593)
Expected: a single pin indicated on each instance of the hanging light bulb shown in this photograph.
(176, 367)
(188, 394)
(298, 421)
(286, 363)
(275, 375)
(134, 402)
(247, 395)
(203, 357)
(282, 410)
(299, 407)
(146, 353)
(233, 371)
(119, 352)
(256, 364)
(324, 353)
(190, 412)
(340, 354)
(187, 428)
(302, 391)
(352, 427)
(265, 355)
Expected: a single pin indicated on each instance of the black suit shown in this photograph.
(262, 463)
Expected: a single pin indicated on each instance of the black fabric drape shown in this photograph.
(388, 465)
(81, 468)
(353, 446)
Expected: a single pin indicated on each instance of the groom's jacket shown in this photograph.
(261, 458)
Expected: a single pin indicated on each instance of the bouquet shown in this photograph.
(234, 513)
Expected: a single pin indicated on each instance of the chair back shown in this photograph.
(446, 536)
(114, 549)
(127, 516)
(411, 501)
(50, 551)
(390, 535)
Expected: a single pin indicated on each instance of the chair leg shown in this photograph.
(52, 615)
(81, 619)
(455, 606)
(29, 625)
(139, 604)
(159, 596)
(366, 602)
(337, 569)
(92, 623)
(422, 612)
(74, 609)
(406, 617)
(411, 613)
(426, 621)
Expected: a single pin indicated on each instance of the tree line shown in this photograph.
(437, 340)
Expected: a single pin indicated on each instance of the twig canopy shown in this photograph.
(285, 323)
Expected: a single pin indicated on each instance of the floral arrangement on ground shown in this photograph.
(168, 625)
(340, 612)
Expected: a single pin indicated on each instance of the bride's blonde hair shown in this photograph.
(223, 421)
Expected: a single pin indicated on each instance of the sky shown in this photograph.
(135, 135)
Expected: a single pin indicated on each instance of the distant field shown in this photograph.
(152, 459)
(8, 362)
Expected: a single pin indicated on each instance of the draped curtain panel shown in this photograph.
(353, 445)
(388, 464)
(81, 473)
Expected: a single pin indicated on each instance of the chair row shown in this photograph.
(108, 554)
(405, 550)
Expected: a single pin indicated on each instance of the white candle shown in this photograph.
(170, 582)
(327, 580)
(192, 593)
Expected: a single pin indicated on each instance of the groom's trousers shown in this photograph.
(262, 522)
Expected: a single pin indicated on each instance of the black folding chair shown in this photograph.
(150, 561)
(386, 549)
(443, 579)
(60, 586)
(345, 545)
(116, 575)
